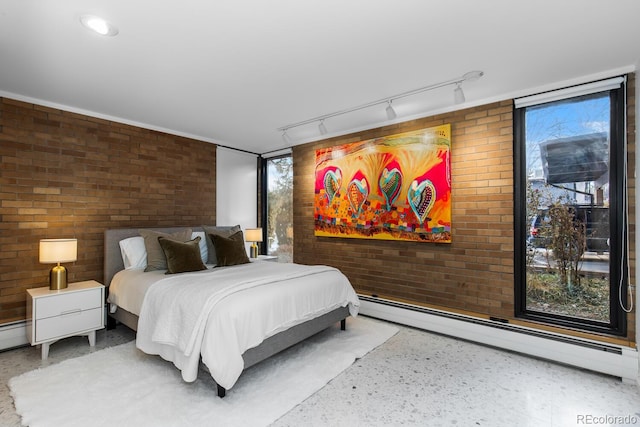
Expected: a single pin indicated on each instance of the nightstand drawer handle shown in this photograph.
(74, 311)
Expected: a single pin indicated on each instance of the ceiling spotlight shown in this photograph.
(458, 94)
(98, 25)
(391, 113)
(322, 128)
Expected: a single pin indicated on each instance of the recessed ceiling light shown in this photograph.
(99, 25)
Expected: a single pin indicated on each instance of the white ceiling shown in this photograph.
(234, 71)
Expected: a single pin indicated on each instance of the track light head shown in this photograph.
(458, 94)
(322, 128)
(286, 138)
(472, 76)
(391, 113)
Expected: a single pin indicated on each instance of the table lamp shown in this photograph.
(253, 235)
(55, 251)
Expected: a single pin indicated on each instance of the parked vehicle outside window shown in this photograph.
(595, 219)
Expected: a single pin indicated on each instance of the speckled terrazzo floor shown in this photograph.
(419, 378)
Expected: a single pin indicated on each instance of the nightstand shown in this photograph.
(75, 310)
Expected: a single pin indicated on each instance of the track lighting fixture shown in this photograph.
(458, 96)
(391, 113)
(322, 128)
(286, 138)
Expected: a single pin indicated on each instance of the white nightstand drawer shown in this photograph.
(67, 324)
(72, 302)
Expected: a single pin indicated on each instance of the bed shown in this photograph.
(266, 308)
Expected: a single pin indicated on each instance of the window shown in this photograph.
(570, 186)
(279, 207)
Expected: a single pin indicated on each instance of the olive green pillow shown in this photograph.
(230, 250)
(155, 256)
(224, 231)
(182, 256)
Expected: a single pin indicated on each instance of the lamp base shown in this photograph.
(254, 251)
(57, 278)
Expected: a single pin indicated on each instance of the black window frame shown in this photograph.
(263, 191)
(262, 201)
(618, 281)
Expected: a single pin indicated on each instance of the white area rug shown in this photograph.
(121, 386)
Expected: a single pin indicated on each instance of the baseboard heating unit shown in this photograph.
(610, 359)
(13, 335)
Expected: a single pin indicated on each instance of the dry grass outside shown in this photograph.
(587, 299)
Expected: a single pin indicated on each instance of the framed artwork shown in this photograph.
(397, 187)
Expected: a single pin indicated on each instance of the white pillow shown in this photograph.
(134, 254)
(204, 252)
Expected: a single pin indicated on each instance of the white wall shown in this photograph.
(236, 188)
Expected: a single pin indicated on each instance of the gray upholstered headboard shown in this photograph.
(112, 256)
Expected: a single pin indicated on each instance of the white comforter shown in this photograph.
(220, 313)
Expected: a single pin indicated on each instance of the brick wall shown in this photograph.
(68, 175)
(475, 273)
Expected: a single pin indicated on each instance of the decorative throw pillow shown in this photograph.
(134, 254)
(224, 231)
(182, 257)
(231, 250)
(155, 257)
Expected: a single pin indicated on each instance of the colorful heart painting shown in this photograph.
(357, 192)
(393, 187)
(332, 183)
(421, 197)
(390, 182)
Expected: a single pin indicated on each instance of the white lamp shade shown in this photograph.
(58, 250)
(253, 235)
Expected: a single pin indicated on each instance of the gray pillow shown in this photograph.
(224, 231)
(155, 256)
(230, 250)
(182, 257)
